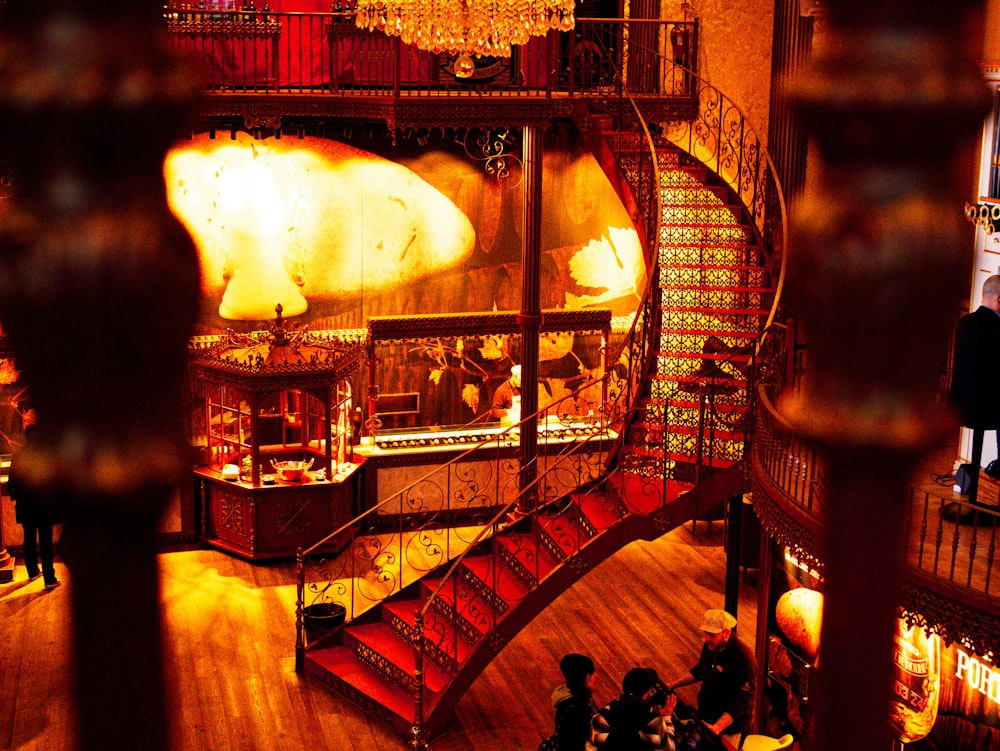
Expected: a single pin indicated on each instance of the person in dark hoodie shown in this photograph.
(34, 516)
(631, 721)
(574, 704)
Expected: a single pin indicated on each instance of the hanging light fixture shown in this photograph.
(472, 27)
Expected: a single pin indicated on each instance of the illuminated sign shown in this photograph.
(978, 675)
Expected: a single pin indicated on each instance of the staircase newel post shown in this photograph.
(300, 578)
(700, 440)
(417, 741)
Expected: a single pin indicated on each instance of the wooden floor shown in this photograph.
(231, 652)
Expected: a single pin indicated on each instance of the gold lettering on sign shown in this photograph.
(978, 675)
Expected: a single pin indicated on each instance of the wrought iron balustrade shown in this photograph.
(259, 50)
(951, 544)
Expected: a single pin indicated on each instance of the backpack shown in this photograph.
(624, 733)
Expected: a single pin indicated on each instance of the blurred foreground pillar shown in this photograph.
(98, 296)
(881, 257)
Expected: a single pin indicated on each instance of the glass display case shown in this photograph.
(250, 429)
(446, 380)
(271, 402)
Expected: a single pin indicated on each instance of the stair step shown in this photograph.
(565, 530)
(707, 252)
(342, 671)
(721, 434)
(693, 193)
(723, 357)
(702, 227)
(700, 214)
(525, 557)
(710, 254)
(382, 649)
(493, 582)
(717, 266)
(721, 381)
(675, 456)
(458, 600)
(444, 642)
(728, 311)
(598, 511)
(635, 490)
(683, 175)
(705, 333)
(659, 403)
(709, 287)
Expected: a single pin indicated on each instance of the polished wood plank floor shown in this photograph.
(231, 652)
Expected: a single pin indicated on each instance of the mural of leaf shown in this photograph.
(470, 396)
(612, 265)
(494, 348)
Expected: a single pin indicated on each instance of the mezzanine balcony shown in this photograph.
(952, 574)
(267, 69)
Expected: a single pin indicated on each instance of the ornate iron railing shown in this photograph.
(243, 50)
(951, 544)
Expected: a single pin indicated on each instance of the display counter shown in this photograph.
(273, 521)
(442, 473)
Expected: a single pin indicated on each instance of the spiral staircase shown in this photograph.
(407, 660)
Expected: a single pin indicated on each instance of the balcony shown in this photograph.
(953, 578)
(271, 69)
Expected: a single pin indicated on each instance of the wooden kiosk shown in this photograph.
(277, 397)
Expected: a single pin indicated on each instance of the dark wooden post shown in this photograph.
(98, 298)
(879, 260)
(530, 317)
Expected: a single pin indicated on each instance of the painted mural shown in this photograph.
(336, 231)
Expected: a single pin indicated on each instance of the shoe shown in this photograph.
(52, 584)
(32, 577)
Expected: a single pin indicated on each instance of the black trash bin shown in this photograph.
(321, 618)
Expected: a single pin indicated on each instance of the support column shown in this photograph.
(530, 317)
(879, 261)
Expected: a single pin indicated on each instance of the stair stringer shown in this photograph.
(724, 484)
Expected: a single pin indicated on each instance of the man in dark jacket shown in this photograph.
(975, 374)
(30, 513)
(630, 722)
(727, 671)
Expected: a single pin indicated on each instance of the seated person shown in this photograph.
(631, 721)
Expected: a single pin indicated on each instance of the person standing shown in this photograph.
(35, 520)
(727, 672)
(507, 395)
(633, 722)
(574, 704)
(975, 366)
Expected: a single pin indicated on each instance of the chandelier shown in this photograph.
(465, 27)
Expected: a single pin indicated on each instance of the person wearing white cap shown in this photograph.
(507, 396)
(727, 671)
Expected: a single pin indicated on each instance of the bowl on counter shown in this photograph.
(268, 479)
(230, 472)
(291, 470)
